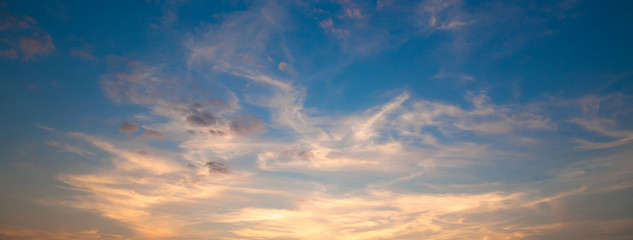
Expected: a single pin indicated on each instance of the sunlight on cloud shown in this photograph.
(236, 137)
(380, 214)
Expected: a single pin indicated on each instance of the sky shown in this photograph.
(330, 119)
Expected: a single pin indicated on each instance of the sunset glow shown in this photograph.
(437, 119)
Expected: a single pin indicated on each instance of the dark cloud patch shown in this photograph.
(246, 124)
(217, 132)
(305, 155)
(152, 133)
(192, 132)
(216, 167)
(203, 119)
(191, 166)
(199, 109)
(143, 152)
(128, 127)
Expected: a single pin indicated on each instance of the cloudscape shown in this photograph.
(328, 119)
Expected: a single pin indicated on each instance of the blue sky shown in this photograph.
(316, 120)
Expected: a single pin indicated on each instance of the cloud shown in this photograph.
(400, 129)
(372, 216)
(602, 126)
(326, 24)
(22, 233)
(78, 151)
(85, 52)
(589, 145)
(373, 213)
(36, 45)
(9, 22)
(202, 119)
(24, 38)
(46, 128)
(218, 133)
(11, 53)
(282, 65)
(591, 108)
(462, 77)
(484, 118)
(138, 86)
(453, 24)
(128, 127)
(245, 124)
(130, 160)
(353, 13)
(139, 182)
(158, 88)
(329, 27)
(228, 46)
(408, 167)
(396, 208)
(152, 134)
(217, 168)
(442, 15)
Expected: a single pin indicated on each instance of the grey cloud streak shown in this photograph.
(217, 167)
(203, 119)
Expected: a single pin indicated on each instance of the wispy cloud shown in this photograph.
(229, 142)
(78, 151)
(442, 15)
(592, 121)
(85, 51)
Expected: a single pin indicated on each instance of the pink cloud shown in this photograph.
(35, 45)
(282, 65)
(26, 40)
(11, 53)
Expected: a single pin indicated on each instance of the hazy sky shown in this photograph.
(322, 119)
